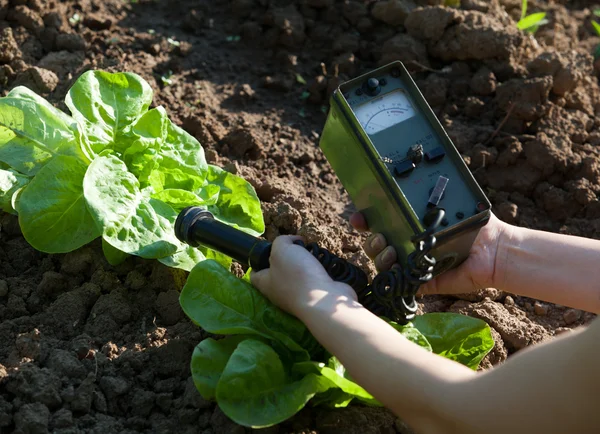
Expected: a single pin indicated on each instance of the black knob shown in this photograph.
(372, 87)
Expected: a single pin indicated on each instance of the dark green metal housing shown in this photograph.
(369, 166)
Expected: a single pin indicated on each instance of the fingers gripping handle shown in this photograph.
(196, 226)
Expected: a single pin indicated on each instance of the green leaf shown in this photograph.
(187, 258)
(209, 360)
(596, 27)
(113, 255)
(238, 205)
(336, 373)
(533, 20)
(332, 398)
(131, 221)
(255, 390)
(106, 104)
(523, 8)
(412, 334)
(220, 303)
(457, 337)
(179, 199)
(10, 182)
(32, 131)
(181, 150)
(52, 209)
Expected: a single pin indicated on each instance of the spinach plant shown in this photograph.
(266, 366)
(115, 168)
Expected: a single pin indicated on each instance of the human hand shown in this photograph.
(477, 272)
(296, 279)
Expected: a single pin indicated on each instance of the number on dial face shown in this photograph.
(383, 112)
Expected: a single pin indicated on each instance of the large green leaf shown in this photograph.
(255, 389)
(220, 303)
(10, 182)
(52, 209)
(180, 150)
(107, 104)
(237, 205)
(131, 221)
(335, 372)
(32, 131)
(457, 337)
(209, 360)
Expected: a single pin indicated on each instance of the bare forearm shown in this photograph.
(401, 375)
(546, 266)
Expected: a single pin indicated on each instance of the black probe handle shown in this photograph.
(197, 226)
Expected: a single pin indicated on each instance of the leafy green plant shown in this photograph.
(531, 23)
(268, 366)
(114, 169)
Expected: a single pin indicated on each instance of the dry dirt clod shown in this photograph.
(38, 80)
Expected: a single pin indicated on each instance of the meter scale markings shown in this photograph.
(384, 112)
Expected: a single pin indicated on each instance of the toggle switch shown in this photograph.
(438, 191)
(404, 168)
(435, 155)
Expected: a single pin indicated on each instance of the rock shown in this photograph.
(464, 35)
(168, 307)
(527, 97)
(549, 154)
(392, 12)
(61, 63)
(52, 283)
(9, 49)
(483, 82)
(53, 19)
(114, 386)
(66, 364)
(82, 399)
(32, 419)
(63, 418)
(70, 42)
(37, 79)
(243, 142)
(142, 402)
(571, 316)
(34, 384)
(97, 23)
(507, 212)
(290, 24)
(405, 48)
(28, 344)
(517, 333)
(541, 309)
(28, 18)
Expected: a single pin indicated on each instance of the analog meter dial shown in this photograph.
(381, 113)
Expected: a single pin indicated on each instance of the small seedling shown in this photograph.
(235, 38)
(597, 29)
(531, 23)
(76, 18)
(300, 79)
(166, 79)
(173, 42)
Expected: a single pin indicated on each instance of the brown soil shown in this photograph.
(86, 347)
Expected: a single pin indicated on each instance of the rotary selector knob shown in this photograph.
(372, 87)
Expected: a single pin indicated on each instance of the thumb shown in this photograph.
(260, 279)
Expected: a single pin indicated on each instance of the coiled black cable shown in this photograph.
(392, 293)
